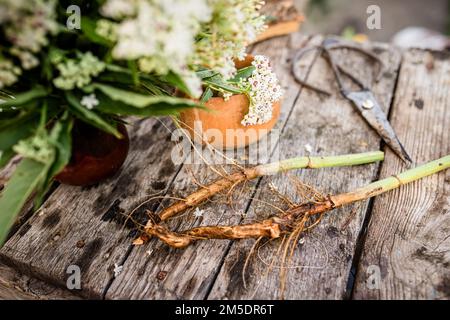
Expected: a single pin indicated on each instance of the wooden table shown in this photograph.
(395, 246)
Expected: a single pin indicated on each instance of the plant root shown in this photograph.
(229, 182)
(271, 228)
(294, 220)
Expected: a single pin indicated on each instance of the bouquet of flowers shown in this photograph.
(99, 61)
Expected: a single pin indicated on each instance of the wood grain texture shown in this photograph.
(155, 271)
(408, 238)
(320, 267)
(86, 226)
(17, 286)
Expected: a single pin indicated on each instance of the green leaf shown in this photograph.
(152, 88)
(126, 79)
(26, 178)
(23, 98)
(5, 95)
(116, 77)
(17, 129)
(176, 81)
(243, 73)
(88, 27)
(90, 116)
(217, 83)
(156, 85)
(134, 72)
(161, 107)
(207, 94)
(61, 138)
(5, 157)
(206, 73)
(138, 100)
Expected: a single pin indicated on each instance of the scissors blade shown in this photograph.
(371, 111)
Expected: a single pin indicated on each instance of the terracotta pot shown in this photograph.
(96, 155)
(225, 115)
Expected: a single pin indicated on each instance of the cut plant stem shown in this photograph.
(204, 193)
(225, 183)
(275, 226)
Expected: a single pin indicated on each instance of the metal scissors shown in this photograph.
(363, 99)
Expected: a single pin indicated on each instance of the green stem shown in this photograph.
(319, 162)
(393, 182)
(227, 182)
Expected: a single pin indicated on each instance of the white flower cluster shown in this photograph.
(37, 148)
(90, 101)
(26, 25)
(264, 91)
(8, 73)
(235, 24)
(78, 72)
(119, 9)
(160, 34)
(177, 35)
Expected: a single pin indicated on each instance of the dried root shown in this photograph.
(228, 182)
(207, 192)
(271, 228)
(292, 222)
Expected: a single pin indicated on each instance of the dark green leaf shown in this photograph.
(88, 27)
(207, 94)
(163, 106)
(26, 178)
(61, 137)
(90, 116)
(23, 98)
(116, 74)
(174, 80)
(152, 88)
(243, 73)
(203, 74)
(17, 129)
(138, 100)
(217, 83)
(116, 77)
(5, 157)
(134, 72)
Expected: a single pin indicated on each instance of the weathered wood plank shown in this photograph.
(407, 251)
(86, 226)
(157, 272)
(320, 267)
(17, 286)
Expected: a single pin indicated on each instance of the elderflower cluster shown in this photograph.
(159, 34)
(119, 9)
(179, 35)
(37, 148)
(264, 91)
(106, 29)
(78, 72)
(26, 25)
(8, 73)
(235, 24)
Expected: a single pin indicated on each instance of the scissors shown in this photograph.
(364, 100)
